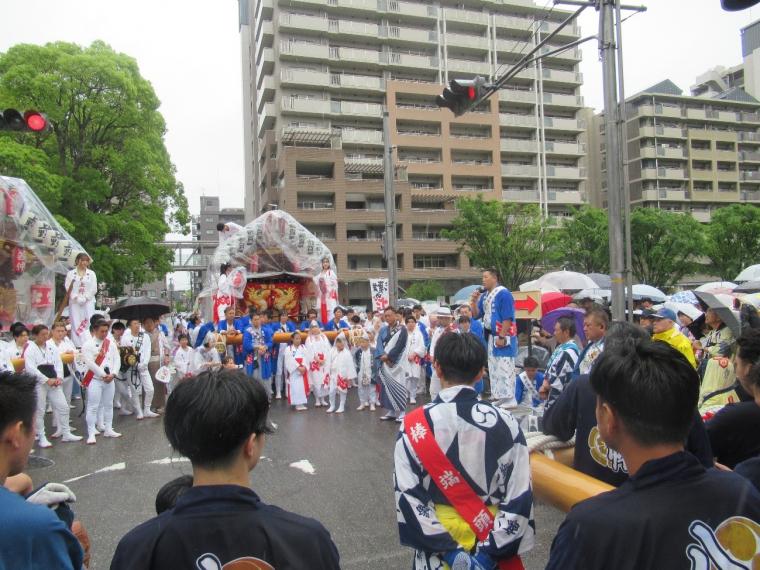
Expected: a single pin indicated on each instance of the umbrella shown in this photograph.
(748, 287)
(139, 308)
(464, 294)
(602, 281)
(550, 319)
(686, 308)
(536, 286)
(724, 311)
(552, 300)
(642, 291)
(408, 302)
(753, 299)
(566, 281)
(593, 294)
(717, 287)
(685, 297)
(751, 273)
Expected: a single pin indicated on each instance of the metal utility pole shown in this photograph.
(612, 133)
(390, 214)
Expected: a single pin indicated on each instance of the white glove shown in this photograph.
(52, 494)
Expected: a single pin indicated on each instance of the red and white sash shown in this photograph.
(451, 482)
(89, 375)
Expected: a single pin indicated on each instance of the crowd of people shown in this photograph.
(664, 410)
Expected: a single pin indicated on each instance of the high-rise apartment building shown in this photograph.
(687, 153)
(319, 74)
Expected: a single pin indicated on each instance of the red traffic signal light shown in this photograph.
(461, 94)
(31, 121)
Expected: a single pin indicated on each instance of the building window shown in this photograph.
(435, 261)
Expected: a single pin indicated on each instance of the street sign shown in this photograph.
(527, 304)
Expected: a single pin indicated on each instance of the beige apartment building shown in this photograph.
(318, 75)
(686, 153)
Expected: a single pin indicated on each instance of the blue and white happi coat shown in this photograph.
(488, 448)
(559, 370)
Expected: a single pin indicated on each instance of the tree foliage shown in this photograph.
(665, 246)
(425, 290)
(102, 169)
(733, 239)
(510, 237)
(583, 241)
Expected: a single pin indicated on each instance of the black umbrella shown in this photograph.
(725, 313)
(139, 308)
(748, 287)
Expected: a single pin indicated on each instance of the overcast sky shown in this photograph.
(190, 51)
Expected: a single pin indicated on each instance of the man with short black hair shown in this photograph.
(672, 512)
(462, 473)
(559, 370)
(32, 535)
(594, 328)
(218, 420)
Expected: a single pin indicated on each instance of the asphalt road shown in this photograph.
(350, 491)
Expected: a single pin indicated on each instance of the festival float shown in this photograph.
(33, 250)
(276, 264)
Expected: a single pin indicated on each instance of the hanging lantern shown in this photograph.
(42, 296)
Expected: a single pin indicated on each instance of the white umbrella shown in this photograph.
(716, 285)
(642, 291)
(536, 286)
(751, 273)
(567, 281)
(686, 308)
(592, 294)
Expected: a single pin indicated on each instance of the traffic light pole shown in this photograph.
(390, 214)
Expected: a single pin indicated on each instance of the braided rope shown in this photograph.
(538, 441)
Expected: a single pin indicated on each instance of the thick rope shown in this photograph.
(538, 441)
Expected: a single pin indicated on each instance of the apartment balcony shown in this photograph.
(263, 8)
(750, 117)
(467, 41)
(747, 156)
(696, 114)
(411, 10)
(573, 197)
(412, 61)
(565, 148)
(562, 124)
(357, 82)
(370, 164)
(728, 116)
(355, 109)
(555, 75)
(519, 170)
(268, 90)
(668, 111)
(517, 96)
(520, 195)
(307, 135)
(518, 145)
(349, 29)
(571, 31)
(265, 32)
(403, 34)
(362, 136)
(749, 137)
(663, 152)
(703, 216)
(513, 23)
(466, 16)
(670, 173)
(304, 51)
(750, 196)
(310, 3)
(660, 131)
(511, 46)
(655, 195)
(267, 118)
(314, 107)
(355, 55)
(464, 66)
(555, 100)
(510, 120)
(297, 77)
(354, 5)
(701, 174)
(301, 23)
(728, 175)
(565, 172)
(265, 61)
(550, 99)
(752, 175)
(569, 55)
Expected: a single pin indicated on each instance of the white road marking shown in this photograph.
(304, 465)
(169, 461)
(114, 467)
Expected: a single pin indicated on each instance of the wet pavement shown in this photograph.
(350, 491)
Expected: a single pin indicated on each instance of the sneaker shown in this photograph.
(71, 437)
(150, 414)
(340, 410)
(100, 427)
(76, 397)
(301, 408)
(387, 418)
(360, 408)
(318, 404)
(372, 407)
(44, 443)
(91, 440)
(56, 435)
(111, 433)
(124, 412)
(330, 410)
(140, 416)
(278, 396)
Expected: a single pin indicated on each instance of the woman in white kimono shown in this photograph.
(327, 291)
(318, 351)
(342, 374)
(64, 346)
(183, 360)
(296, 363)
(223, 294)
(415, 357)
(82, 285)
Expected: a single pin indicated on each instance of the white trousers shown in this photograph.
(435, 385)
(100, 397)
(58, 401)
(367, 394)
(281, 372)
(146, 383)
(411, 386)
(342, 395)
(501, 372)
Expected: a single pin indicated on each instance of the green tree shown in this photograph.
(583, 241)
(510, 237)
(102, 169)
(665, 246)
(733, 239)
(425, 290)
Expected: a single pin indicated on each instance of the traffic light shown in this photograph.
(30, 122)
(460, 95)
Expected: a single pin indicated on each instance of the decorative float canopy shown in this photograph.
(33, 248)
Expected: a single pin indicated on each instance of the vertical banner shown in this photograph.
(379, 291)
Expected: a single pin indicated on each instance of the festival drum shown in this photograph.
(128, 357)
(67, 358)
